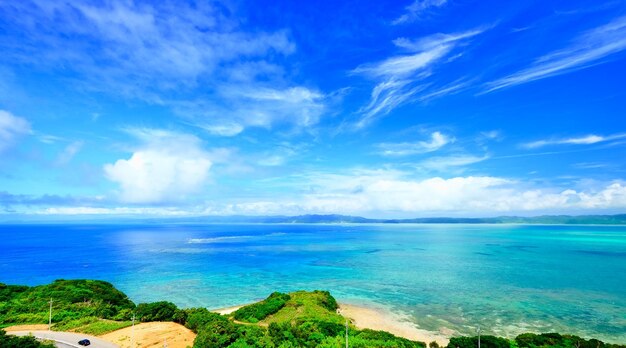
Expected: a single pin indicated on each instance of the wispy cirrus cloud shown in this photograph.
(437, 141)
(583, 140)
(401, 78)
(593, 47)
(416, 9)
(446, 163)
(69, 152)
(255, 106)
(11, 128)
(196, 59)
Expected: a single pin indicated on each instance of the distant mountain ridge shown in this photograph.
(619, 219)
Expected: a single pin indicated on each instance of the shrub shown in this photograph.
(260, 310)
(72, 299)
(217, 333)
(8, 341)
(485, 342)
(327, 300)
(197, 318)
(156, 311)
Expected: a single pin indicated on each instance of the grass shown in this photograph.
(103, 326)
(91, 325)
(304, 305)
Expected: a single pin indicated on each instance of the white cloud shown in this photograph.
(69, 152)
(416, 9)
(141, 211)
(492, 134)
(401, 79)
(387, 193)
(443, 164)
(227, 129)
(435, 40)
(587, 50)
(151, 45)
(11, 128)
(168, 166)
(256, 106)
(392, 193)
(196, 59)
(584, 140)
(401, 66)
(437, 140)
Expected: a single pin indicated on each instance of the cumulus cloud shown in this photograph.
(389, 193)
(583, 140)
(437, 140)
(590, 48)
(11, 128)
(380, 193)
(167, 166)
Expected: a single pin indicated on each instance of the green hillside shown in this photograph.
(297, 319)
(71, 300)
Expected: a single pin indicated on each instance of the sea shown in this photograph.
(450, 278)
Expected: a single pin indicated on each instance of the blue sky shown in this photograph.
(383, 109)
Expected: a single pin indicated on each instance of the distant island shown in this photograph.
(618, 219)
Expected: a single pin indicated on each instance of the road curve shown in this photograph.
(66, 339)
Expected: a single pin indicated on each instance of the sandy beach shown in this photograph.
(227, 310)
(378, 319)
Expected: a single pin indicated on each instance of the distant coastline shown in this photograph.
(617, 219)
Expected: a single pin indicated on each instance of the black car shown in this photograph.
(84, 342)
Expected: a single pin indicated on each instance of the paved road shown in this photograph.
(66, 339)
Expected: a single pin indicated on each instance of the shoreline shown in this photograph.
(370, 317)
(227, 310)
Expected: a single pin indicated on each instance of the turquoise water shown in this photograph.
(506, 278)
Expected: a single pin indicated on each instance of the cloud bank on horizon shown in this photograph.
(419, 108)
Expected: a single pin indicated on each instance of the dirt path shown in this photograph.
(153, 335)
(31, 327)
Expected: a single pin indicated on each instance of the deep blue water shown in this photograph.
(506, 278)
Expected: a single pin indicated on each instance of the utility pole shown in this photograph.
(50, 317)
(347, 333)
(478, 332)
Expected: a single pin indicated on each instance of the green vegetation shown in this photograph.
(530, 340)
(91, 325)
(8, 341)
(299, 319)
(485, 341)
(72, 299)
(156, 311)
(260, 310)
(303, 305)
